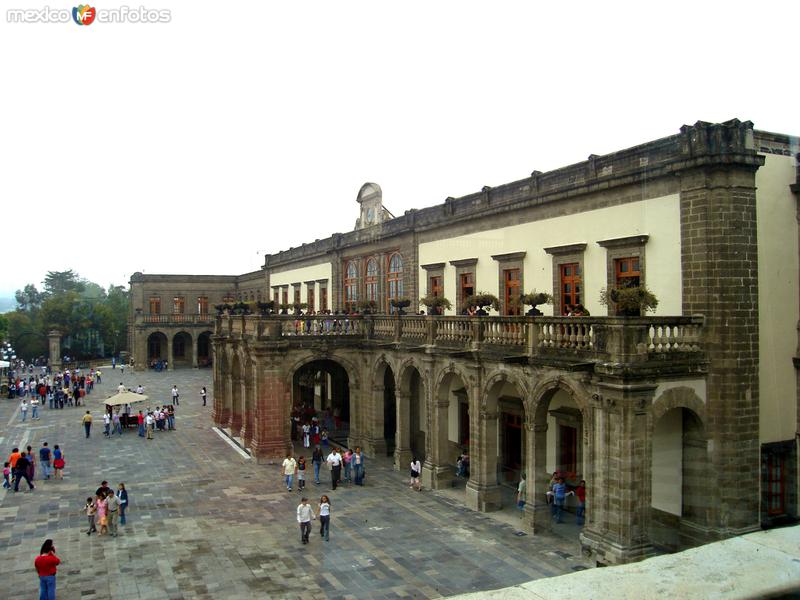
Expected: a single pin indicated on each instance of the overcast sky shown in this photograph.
(238, 129)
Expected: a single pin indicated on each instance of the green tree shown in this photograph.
(3, 328)
(26, 335)
(29, 298)
(57, 282)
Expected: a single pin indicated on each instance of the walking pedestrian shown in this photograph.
(522, 492)
(58, 462)
(140, 423)
(112, 506)
(580, 494)
(416, 468)
(175, 396)
(288, 467)
(334, 461)
(23, 409)
(87, 423)
(7, 475)
(106, 424)
(559, 498)
(122, 494)
(31, 463)
(102, 513)
(305, 514)
(357, 463)
(34, 408)
(45, 565)
(21, 472)
(316, 459)
(91, 511)
(325, 517)
(203, 395)
(301, 474)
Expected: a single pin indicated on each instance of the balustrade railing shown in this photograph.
(615, 339)
(178, 318)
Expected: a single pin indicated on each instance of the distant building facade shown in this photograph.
(683, 423)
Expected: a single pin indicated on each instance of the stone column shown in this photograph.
(436, 472)
(536, 517)
(221, 413)
(483, 491)
(271, 427)
(248, 393)
(170, 361)
(719, 254)
(139, 349)
(374, 442)
(618, 531)
(402, 451)
(54, 338)
(195, 343)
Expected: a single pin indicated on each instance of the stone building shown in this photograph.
(683, 423)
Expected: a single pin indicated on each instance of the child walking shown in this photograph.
(324, 517)
(7, 475)
(301, 473)
(91, 510)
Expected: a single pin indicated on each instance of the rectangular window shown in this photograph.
(297, 295)
(285, 296)
(512, 291)
(155, 305)
(627, 272)
(571, 286)
(310, 299)
(178, 304)
(466, 286)
(436, 286)
(463, 424)
(776, 489)
(202, 305)
(276, 297)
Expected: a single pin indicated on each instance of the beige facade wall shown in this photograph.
(659, 218)
(777, 297)
(321, 271)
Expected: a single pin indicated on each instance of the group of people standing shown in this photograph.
(53, 391)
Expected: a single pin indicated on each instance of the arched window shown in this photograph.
(372, 280)
(394, 280)
(351, 286)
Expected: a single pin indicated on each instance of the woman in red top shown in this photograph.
(46, 564)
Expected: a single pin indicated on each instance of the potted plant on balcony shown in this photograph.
(265, 308)
(223, 308)
(367, 307)
(241, 308)
(533, 300)
(299, 307)
(631, 301)
(284, 308)
(480, 301)
(436, 305)
(400, 304)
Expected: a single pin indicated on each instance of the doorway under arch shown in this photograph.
(680, 495)
(321, 388)
(182, 350)
(156, 348)
(204, 349)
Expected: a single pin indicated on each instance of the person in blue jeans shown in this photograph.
(317, 459)
(122, 494)
(45, 565)
(357, 464)
(559, 498)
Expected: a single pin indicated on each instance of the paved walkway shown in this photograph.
(204, 522)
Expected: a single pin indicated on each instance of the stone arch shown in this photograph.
(505, 426)
(545, 389)
(450, 369)
(381, 410)
(348, 365)
(681, 496)
(182, 342)
(679, 397)
(335, 403)
(157, 347)
(412, 411)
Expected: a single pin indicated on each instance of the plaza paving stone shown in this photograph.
(204, 522)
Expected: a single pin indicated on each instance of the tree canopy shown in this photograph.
(93, 320)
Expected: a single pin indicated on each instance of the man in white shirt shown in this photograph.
(305, 514)
(106, 425)
(288, 468)
(149, 423)
(175, 395)
(335, 461)
(140, 389)
(113, 513)
(120, 388)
